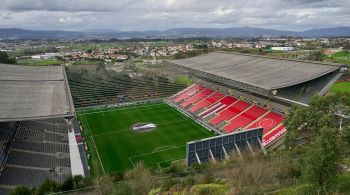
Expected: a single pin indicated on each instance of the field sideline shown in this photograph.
(115, 147)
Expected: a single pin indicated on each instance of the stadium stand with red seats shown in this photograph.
(230, 112)
(274, 135)
(188, 93)
(217, 107)
(199, 96)
(244, 119)
(237, 113)
(268, 122)
(206, 102)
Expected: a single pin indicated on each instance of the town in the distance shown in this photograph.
(175, 97)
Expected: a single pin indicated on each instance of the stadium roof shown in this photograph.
(34, 92)
(263, 72)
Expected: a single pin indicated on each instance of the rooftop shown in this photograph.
(34, 92)
(264, 72)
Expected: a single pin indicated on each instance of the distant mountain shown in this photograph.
(226, 32)
(15, 33)
(327, 32)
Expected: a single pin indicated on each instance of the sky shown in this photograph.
(295, 15)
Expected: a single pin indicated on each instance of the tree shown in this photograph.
(315, 56)
(317, 125)
(22, 190)
(306, 122)
(323, 159)
(103, 185)
(48, 186)
(140, 179)
(4, 58)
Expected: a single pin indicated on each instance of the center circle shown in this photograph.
(142, 127)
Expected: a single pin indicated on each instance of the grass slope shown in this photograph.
(119, 148)
(341, 87)
(342, 57)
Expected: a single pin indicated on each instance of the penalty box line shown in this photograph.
(150, 153)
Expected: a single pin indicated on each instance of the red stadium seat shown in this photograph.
(245, 118)
(191, 92)
(199, 96)
(268, 122)
(274, 135)
(206, 102)
(230, 112)
(217, 107)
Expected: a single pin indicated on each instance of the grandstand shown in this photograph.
(228, 114)
(281, 79)
(240, 91)
(92, 86)
(35, 150)
(36, 122)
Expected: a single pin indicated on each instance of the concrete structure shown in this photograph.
(34, 92)
(262, 72)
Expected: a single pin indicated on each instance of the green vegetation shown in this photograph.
(184, 80)
(39, 62)
(34, 51)
(4, 58)
(88, 62)
(119, 148)
(341, 87)
(315, 55)
(182, 55)
(49, 186)
(342, 57)
(324, 146)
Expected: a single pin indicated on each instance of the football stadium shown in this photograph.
(61, 121)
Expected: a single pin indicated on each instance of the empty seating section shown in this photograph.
(244, 119)
(230, 112)
(217, 107)
(99, 85)
(194, 90)
(45, 126)
(206, 102)
(183, 91)
(274, 135)
(36, 160)
(35, 151)
(49, 148)
(203, 102)
(199, 96)
(28, 177)
(268, 122)
(41, 136)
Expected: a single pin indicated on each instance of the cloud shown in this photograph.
(165, 14)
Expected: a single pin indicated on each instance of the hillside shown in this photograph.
(15, 33)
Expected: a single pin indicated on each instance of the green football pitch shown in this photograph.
(118, 148)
